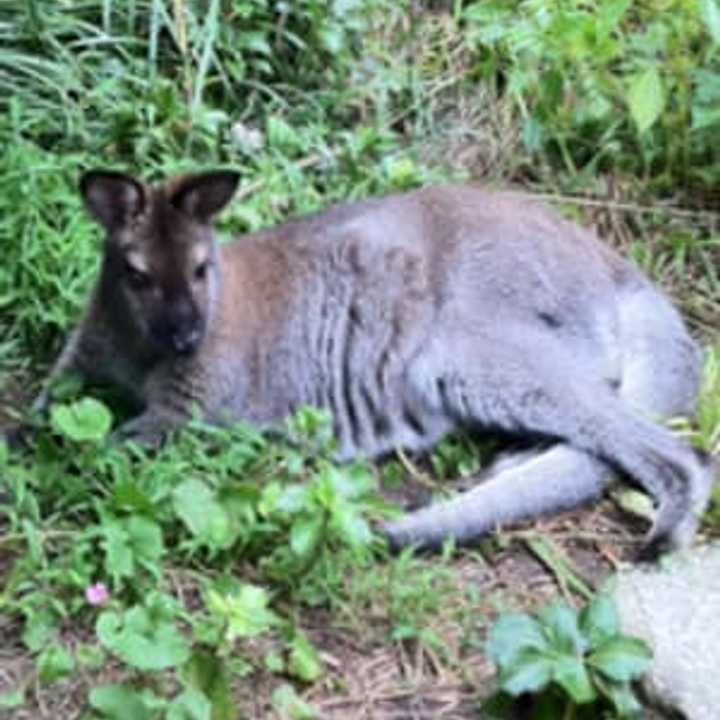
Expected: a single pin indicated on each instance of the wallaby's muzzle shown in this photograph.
(180, 330)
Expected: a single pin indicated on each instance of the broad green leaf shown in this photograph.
(141, 641)
(304, 660)
(711, 15)
(305, 534)
(646, 99)
(529, 672)
(145, 537)
(511, 634)
(197, 506)
(611, 12)
(292, 498)
(86, 420)
(561, 626)
(40, 628)
(599, 620)
(130, 496)
(353, 528)
(54, 663)
(119, 557)
(190, 705)
(622, 658)
(117, 702)
(571, 674)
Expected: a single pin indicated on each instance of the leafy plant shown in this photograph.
(564, 659)
(599, 81)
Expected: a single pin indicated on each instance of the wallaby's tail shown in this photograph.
(661, 368)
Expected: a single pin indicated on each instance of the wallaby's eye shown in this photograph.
(201, 270)
(137, 279)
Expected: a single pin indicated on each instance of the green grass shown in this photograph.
(228, 555)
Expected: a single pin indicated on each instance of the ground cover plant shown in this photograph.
(233, 574)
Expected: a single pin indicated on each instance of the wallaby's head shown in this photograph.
(160, 272)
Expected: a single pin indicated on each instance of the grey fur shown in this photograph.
(409, 316)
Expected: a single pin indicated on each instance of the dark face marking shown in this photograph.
(167, 277)
(160, 273)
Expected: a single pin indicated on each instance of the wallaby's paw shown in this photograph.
(675, 526)
(404, 532)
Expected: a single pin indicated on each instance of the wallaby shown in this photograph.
(406, 317)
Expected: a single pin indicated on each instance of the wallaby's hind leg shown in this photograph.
(661, 364)
(546, 480)
(550, 393)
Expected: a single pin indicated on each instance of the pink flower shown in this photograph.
(97, 594)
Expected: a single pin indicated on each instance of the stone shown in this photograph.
(675, 608)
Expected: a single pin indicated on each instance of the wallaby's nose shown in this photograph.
(185, 341)
(182, 331)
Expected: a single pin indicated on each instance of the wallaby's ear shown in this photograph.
(113, 198)
(202, 196)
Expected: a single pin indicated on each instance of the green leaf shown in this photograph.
(622, 658)
(289, 705)
(635, 502)
(116, 702)
(305, 534)
(571, 674)
(40, 628)
(281, 135)
(86, 420)
(611, 12)
(197, 506)
(145, 538)
(353, 528)
(190, 705)
(274, 662)
(304, 661)
(54, 663)
(511, 634)
(246, 613)
(332, 38)
(291, 499)
(529, 672)
(207, 673)
(711, 16)
(145, 642)
(599, 620)
(90, 656)
(561, 626)
(646, 99)
(119, 557)
(622, 697)
(12, 698)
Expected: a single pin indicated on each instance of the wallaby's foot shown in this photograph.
(674, 530)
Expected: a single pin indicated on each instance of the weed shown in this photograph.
(567, 660)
